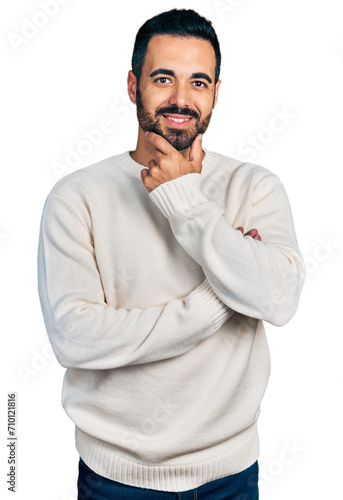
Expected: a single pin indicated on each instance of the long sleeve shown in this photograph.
(260, 279)
(86, 332)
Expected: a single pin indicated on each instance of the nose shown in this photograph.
(180, 95)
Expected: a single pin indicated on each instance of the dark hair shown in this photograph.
(177, 22)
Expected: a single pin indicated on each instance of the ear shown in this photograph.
(132, 86)
(217, 91)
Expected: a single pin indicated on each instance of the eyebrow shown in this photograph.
(163, 72)
(203, 76)
(169, 72)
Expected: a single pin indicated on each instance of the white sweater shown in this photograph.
(154, 303)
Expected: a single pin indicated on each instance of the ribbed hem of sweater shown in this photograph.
(100, 457)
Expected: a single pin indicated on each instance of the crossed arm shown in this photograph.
(258, 279)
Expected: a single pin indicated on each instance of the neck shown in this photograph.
(143, 152)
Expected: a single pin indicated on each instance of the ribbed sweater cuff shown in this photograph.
(178, 194)
(209, 301)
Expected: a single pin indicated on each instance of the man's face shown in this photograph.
(177, 92)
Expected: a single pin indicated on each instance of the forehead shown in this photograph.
(180, 54)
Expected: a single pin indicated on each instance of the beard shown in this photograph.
(179, 139)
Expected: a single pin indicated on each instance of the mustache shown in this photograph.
(174, 110)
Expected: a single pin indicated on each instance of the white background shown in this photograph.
(63, 80)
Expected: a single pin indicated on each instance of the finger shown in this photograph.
(144, 174)
(196, 149)
(158, 155)
(152, 163)
(252, 232)
(159, 142)
(241, 229)
(257, 237)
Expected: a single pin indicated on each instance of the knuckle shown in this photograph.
(163, 161)
(154, 169)
(157, 139)
(174, 155)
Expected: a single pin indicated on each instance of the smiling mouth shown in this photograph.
(178, 119)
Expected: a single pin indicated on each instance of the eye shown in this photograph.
(162, 79)
(200, 84)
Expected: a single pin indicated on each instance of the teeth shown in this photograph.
(178, 120)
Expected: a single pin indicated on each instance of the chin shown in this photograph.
(180, 144)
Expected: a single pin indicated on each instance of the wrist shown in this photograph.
(178, 194)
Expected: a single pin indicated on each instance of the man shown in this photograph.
(154, 297)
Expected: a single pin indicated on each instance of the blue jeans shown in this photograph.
(241, 486)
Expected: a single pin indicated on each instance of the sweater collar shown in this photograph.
(134, 168)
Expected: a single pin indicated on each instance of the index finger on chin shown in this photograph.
(159, 142)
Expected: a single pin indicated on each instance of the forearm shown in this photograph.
(261, 279)
(84, 330)
(101, 337)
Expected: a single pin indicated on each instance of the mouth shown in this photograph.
(178, 121)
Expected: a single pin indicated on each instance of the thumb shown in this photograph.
(196, 149)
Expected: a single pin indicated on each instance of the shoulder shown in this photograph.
(222, 167)
(82, 191)
(88, 179)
